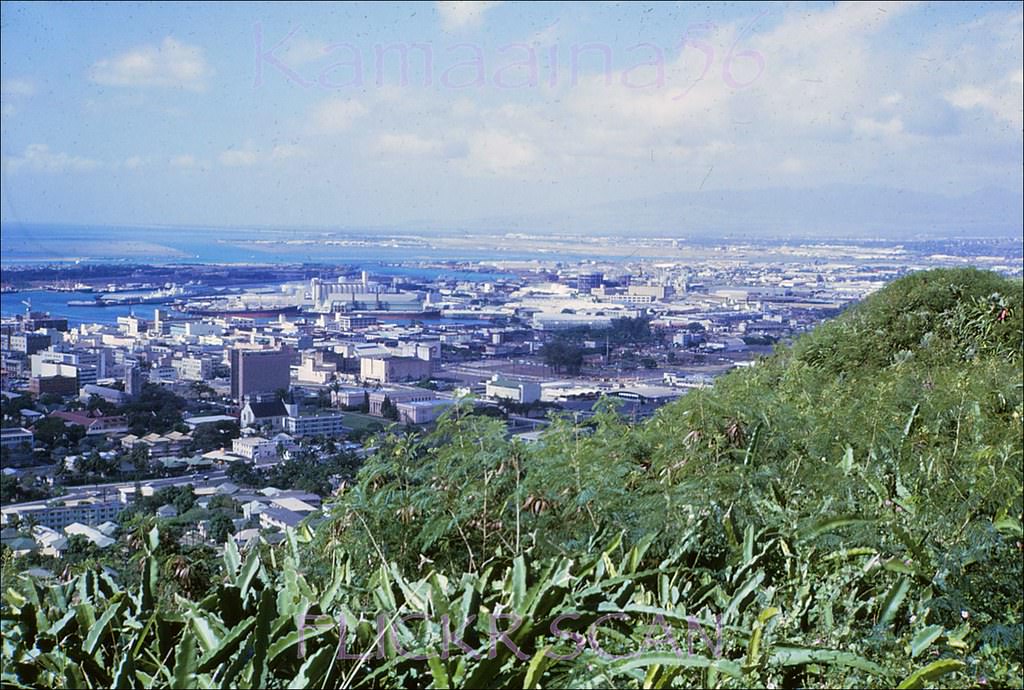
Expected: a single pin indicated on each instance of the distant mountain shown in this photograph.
(828, 211)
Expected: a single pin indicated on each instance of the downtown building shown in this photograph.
(255, 372)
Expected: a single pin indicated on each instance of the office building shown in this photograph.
(259, 371)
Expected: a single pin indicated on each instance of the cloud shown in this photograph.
(407, 145)
(499, 152)
(16, 87)
(39, 158)
(250, 155)
(1001, 99)
(170, 64)
(463, 14)
(238, 158)
(185, 161)
(287, 151)
(337, 114)
(303, 51)
(872, 127)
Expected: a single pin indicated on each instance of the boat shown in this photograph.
(387, 314)
(243, 312)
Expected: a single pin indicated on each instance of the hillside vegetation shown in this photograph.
(847, 513)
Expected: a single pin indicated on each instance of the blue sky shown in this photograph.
(670, 118)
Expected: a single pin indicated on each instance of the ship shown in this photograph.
(158, 297)
(240, 310)
(407, 314)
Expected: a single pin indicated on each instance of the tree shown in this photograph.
(244, 474)
(388, 409)
(365, 407)
(562, 355)
(184, 499)
(323, 398)
(78, 549)
(140, 457)
(48, 431)
(209, 437)
(221, 527)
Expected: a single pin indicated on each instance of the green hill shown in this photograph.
(847, 513)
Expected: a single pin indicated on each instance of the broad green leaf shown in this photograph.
(922, 677)
(893, 600)
(924, 638)
(185, 662)
(796, 656)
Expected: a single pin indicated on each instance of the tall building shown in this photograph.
(585, 282)
(259, 371)
(132, 381)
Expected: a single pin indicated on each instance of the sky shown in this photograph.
(812, 118)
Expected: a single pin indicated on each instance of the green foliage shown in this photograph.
(562, 355)
(209, 437)
(157, 409)
(12, 490)
(848, 512)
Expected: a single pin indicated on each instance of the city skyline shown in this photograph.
(812, 119)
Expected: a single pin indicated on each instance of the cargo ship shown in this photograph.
(158, 297)
(255, 312)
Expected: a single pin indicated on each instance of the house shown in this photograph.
(285, 441)
(295, 505)
(51, 542)
(169, 445)
(280, 518)
(194, 422)
(96, 537)
(95, 422)
(166, 511)
(109, 528)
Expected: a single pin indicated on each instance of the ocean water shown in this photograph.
(44, 243)
(11, 304)
(56, 303)
(55, 243)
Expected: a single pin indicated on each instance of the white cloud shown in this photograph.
(499, 152)
(1002, 98)
(184, 161)
(16, 87)
(337, 114)
(238, 158)
(287, 151)
(792, 165)
(303, 51)
(407, 145)
(463, 14)
(39, 158)
(892, 100)
(169, 64)
(872, 127)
